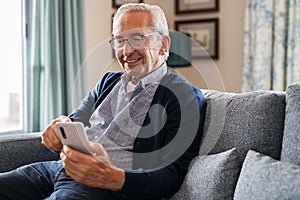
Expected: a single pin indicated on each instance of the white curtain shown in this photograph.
(271, 44)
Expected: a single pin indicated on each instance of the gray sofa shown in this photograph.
(250, 148)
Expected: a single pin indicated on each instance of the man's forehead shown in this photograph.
(133, 20)
(140, 31)
(138, 17)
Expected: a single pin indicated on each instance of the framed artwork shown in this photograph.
(192, 6)
(118, 3)
(205, 36)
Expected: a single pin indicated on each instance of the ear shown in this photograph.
(166, 42)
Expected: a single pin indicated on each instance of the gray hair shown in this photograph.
(159, 18)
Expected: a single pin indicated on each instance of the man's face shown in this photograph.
(138, 62)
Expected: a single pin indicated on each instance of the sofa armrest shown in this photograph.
(17, 150)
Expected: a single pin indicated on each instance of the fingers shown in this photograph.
(96, 148)
(50, 137)
(75, 161)
(99, 152)
(92, 170)
(51, 140)
(74, 156)
(62, 118)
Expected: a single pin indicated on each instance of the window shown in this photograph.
(11, 70)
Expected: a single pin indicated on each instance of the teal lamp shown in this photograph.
(180, 50)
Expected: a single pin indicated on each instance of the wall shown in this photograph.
(222, 74)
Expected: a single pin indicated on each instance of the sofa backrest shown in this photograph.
(247, 121)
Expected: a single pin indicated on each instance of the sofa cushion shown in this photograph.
(23, 149)
(291, 136)
(211, 177)
(246, 121)
(265, 178)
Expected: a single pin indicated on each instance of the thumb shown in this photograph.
(64, 118)
(99, 152)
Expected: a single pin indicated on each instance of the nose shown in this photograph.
(127, 50)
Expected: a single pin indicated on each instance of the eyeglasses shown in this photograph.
(135, 41)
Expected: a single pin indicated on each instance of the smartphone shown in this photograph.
(73, 134)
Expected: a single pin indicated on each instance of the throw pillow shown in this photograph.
(263, 177)
(252, 120)
(291, 136)
(211, 177)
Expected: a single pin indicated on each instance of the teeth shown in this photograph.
(131, 61)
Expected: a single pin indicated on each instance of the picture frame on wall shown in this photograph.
(204, 34)
(118, 3)
(196, 6)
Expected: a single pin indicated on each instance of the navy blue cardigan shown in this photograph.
(159, 176)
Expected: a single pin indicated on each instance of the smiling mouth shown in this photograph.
(132, 60)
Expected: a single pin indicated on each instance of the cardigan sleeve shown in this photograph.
(95, 97)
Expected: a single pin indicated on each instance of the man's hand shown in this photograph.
(92, 170)
(50, 137)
